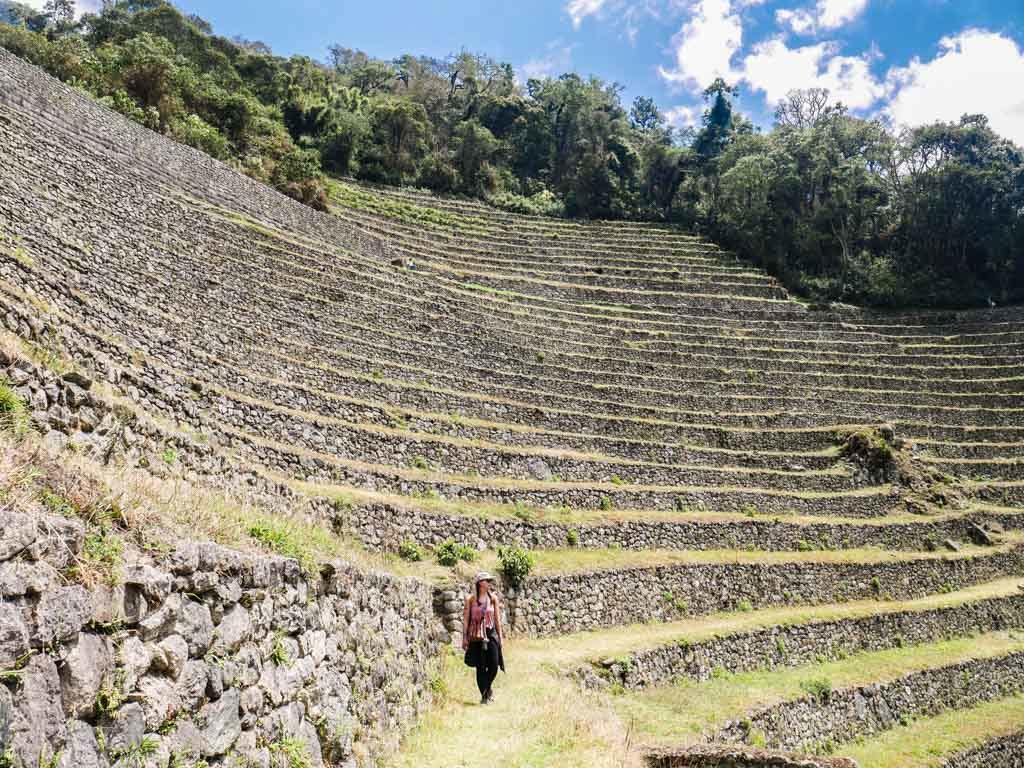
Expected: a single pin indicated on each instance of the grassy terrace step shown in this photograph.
(936, 742)
(792, 637)
(690, 712)
(386, 521)
(328, 469)
(647, 428)
(576, 590)
(974, 410)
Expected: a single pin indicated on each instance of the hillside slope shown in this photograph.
(708, 470)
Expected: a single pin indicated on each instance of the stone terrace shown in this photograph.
(662, 423)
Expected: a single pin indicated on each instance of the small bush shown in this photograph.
(820, 688)
(606, 504)
(450, 553)
(572, 537)
(515, 564)
(410, 551)
(544, 203)
(744, 606)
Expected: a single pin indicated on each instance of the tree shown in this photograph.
(61, 14)
(475, 148)
(806, 108)
(399, 132)
(644, 115)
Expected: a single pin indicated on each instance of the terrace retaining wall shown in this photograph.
(806, 643)
(574, 602)
(206, 654)
(842, 715)
(1007, 752)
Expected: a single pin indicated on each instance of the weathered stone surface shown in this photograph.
(14, 635)
(159, 698)
(133, 659)
(87, 664)
(196, 626)
(233, 630)
(125, 729)
(38, 726)
(61, 613)
(81, 749)
(223, 724)
(170, 655)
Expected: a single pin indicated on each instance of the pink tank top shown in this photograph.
(481, 618)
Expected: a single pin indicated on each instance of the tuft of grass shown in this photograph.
(278, 652)
(819, 688)
(103, 555)
(139, 754)
(289, 541)
(293, 752)
(13, 411)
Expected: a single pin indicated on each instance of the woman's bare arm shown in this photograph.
(465, 623)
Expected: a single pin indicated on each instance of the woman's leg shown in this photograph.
(492, 664)
(483, 679)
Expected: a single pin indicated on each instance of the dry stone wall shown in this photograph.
(204, 654)
(723, 756)
(806, 644)
(575, 602)
(386, 526)
(840, 716)
(1007, 752)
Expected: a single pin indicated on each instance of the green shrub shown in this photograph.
(410, 551)
(449, 553)
(572, 537)
(198, 133)
(515, 564)
(820, 688)
(544, 203)
(606, 504)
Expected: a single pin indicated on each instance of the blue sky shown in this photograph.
(910, 61)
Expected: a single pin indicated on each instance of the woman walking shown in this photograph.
(481, 634)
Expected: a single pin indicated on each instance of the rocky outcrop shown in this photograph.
(203, 653)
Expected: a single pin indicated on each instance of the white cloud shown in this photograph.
(776, 69)
(578, 10)
(81, 6)
(557, 61)
(705, 45)
(975, 71)
(682, 116)
(825, 15)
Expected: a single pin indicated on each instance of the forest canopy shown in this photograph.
(837, 206)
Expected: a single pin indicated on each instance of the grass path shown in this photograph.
(541, 718)
(927, 743)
